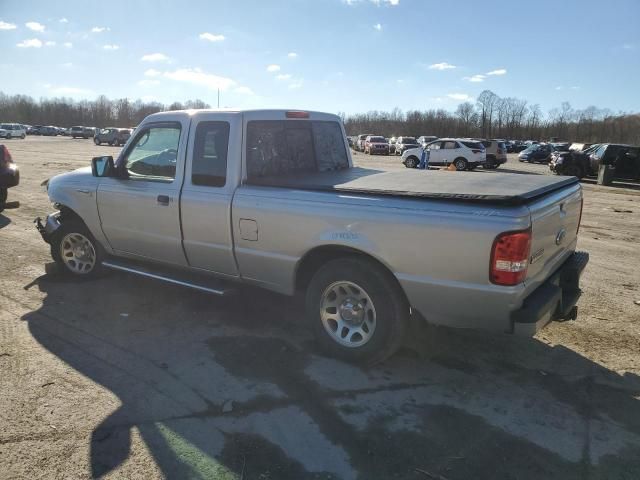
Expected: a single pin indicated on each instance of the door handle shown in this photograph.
(163, 199)
(82, 190)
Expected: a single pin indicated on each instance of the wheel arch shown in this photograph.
(311, 261)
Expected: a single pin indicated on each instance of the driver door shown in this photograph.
(140, 209)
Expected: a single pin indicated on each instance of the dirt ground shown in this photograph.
(124, 377)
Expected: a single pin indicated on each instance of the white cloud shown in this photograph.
(50, 43)
(196, 76)
(35, 26)
(283, 76)
(626, 46)
(155, 57)
(7, 26)
(441, 66)
(273, 68)
(500, 71)
(68, 44)
(66, 65)
(459, 96)
(377, 27)
(295, 85)
(243, 90)
(63, 20)
(152, 73)
(475, 78)
(292, 55)
(100, 29)
(111, 47)
(575, 87)
(211, 37)
(559, 87)
(32, 43)
(148, 83)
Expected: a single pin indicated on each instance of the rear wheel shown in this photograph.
(411, 162)
(114, 142)
(22, 136)
(357, 309)
(75, 250)
(97, 141)
(461, 164)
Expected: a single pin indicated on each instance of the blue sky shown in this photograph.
(331, 55)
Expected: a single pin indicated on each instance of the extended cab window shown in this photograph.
(153, 153)
(209, 165)
(277, 147)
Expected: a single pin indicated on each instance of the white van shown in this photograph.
(12, 130)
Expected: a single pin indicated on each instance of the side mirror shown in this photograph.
(102, 166)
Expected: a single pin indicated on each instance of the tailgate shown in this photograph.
(554, 225)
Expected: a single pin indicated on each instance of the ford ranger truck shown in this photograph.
(213, 199)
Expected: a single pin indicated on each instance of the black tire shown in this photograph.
(22, 136)
(461, 164)
(3, 198)
(114, 143)
(97, 141)
(387, 298)
(69, 226)
(412, 162)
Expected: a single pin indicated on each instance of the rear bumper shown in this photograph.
(9, 177)
(555, 299)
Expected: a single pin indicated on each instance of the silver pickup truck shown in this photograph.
(209, 199)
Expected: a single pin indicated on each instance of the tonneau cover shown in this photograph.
(484, 187)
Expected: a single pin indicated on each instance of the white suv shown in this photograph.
(12, 130)
(464, 154)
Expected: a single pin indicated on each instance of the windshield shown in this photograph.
(377, 140)
(408, 140)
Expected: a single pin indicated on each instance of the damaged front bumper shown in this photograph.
(49, 226)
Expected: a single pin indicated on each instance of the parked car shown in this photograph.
(322, 228)
(425, 139)
(561, 147)
(392, 145)
(360, 139)
(516, 146)
(574, 162)
(405, 143)
(34, 130)
(464, 154)
(48, 131)
(538, 152)
(112, 136)
(9, 174)
(81, 132)
(12, 130)
(496, 152)
(375, 145)
(579, 147)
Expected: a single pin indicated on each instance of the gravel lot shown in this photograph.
(124, 377)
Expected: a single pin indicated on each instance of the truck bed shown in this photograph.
(474, 187)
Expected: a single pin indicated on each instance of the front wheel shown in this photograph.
(3, 198)
(75, 250)
(460, 164)
(22, 136)
(357, 309)
(411, 162)
(97, 142)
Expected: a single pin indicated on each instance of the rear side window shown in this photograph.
(486, 143)
(209, 164)
(280, 147)
(473, 145)
(449, 145)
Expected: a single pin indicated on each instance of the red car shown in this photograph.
(374, 145)
(9, 174)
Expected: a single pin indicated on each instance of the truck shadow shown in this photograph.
(233, 389)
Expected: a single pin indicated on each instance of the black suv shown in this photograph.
(625, 159)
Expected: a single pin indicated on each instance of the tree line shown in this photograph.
(101, 112)
(491, 116)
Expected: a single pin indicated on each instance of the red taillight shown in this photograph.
(297, 114)
(580, 216)
(510, 257)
